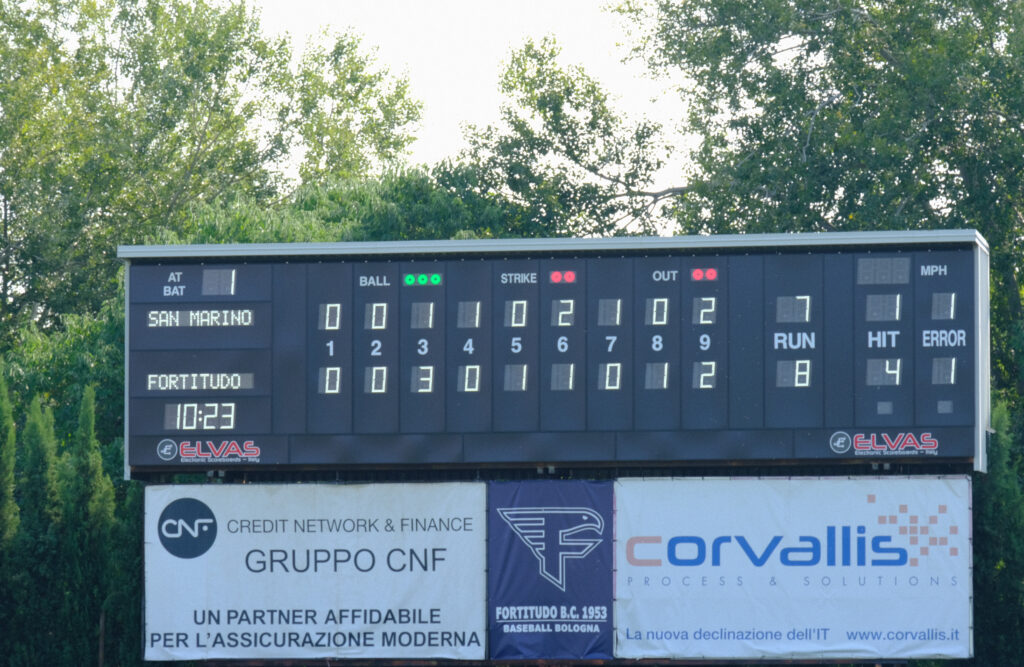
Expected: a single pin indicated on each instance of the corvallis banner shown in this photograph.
(662, 569)
(838, 548)
(793, 568)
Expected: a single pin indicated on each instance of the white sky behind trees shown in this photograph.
(453, 52)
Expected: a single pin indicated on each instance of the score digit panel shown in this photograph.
(777, 348)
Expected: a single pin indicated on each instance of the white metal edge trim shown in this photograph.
(496, 246)
(983, 360)
(127, 333)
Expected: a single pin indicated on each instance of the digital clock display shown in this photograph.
(618, 352)
(199, 416)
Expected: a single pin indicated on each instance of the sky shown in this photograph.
(453, 50)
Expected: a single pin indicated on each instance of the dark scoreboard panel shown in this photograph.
(617, 352)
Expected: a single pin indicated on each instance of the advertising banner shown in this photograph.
(550, 570)
(315, 571)
(858, 568)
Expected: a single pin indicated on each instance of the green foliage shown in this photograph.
(118, 118)
(85, 538)
(350, 114)
(245, 220)
(999, 548)
(817, 116)
(69, 577)
(399, 204)
(57, 366)
(173, 122)
(37, 488)
(118, 115)
(563, 155)
(35, 554)
(9, 514)
(123, 606)
(402, 205)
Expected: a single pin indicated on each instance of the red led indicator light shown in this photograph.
(704, 274)
(563, 276)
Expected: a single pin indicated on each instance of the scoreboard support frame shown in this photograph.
(561, 340)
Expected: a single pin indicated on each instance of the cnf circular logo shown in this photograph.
(187, 528)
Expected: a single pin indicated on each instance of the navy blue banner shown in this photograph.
(549, 570)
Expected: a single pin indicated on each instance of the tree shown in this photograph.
(58, 365)
(124, 618)
(352, 116)
(999, 548)
(9, 513)
(35, 581)
(118, 117)
(818, 116)
(404, 205)
(87, 529)
(563, 155)
(37, 484)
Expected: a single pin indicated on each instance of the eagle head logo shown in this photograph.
(555, 534)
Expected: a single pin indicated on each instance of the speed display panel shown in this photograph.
(633, 351)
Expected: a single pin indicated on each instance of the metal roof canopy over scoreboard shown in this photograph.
(775, 348)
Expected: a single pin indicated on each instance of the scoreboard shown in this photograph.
(778, 349)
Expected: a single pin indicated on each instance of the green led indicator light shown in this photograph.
(422, 279)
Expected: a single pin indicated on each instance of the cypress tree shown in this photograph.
(9, 514)
(87, 529)
(999, 550)
(36, 585)
(125, 616)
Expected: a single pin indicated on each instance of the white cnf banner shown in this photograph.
(793, 568)
(315, 571)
